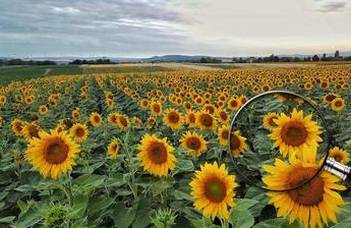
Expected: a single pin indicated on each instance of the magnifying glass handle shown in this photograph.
(340, 170)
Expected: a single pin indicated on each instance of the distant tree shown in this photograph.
(337, 54)
(324, 57)
(315, 58)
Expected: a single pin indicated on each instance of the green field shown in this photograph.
(19, 73)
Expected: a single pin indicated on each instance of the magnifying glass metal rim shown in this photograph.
(272, 92)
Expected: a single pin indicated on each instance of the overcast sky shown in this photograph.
(139, 28)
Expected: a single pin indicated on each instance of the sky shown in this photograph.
(142, 28)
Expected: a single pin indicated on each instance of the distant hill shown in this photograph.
(344, 54)
(175, 58)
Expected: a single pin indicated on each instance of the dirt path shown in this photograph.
(47, 72)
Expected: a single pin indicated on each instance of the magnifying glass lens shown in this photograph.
(278, 141)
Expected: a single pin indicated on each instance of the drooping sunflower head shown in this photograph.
(95, 119)
(295, 134)
(328, 98)
(31, 130)
(156, 155)
(237, 143)
(79, 132)
(173, 118)
(194, 143)
(212, 189)
(223, 135)
(17, 126)
(113, 149)
(314, 203)
(338, 104)
(204, 120)
(52, 154)
(339, 155)
(268, 120)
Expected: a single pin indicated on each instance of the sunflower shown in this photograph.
(95, 119)
(338, 104)
(156, 155)
(268, 121)
(173, 118)
(156, 108)
(339, 155)
(234, 104)
(113, 119)
(190, 118)
(17, 126)
(151, 121)
(31, 130)
(194, 143)
(314, 203)
(123, 122)
(296, 134)
(113, 149)
(329, 98)
(222, 115)
(76, 114)
(1, 121)
(43, 110)
(237, 143)
(223, 134)
(204, 120)
(2, 99)
(212, 189)
(79, 132)
(52, 154)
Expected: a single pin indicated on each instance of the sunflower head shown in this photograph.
(30, 130)
(314, 203)
(223, 135)
(43, 110)
(79, 132)
(237, 143)
(156, 108)
(173, 118)
(156, 155)
(205, 120)
(95, 119)
(194, 143)
(295, 134)
(212, 189)
(339, 155)
(234, 104)
(338, 104)
(268, 120)
(17, 126)
(123, 122)
(52, 154)
(113, 149)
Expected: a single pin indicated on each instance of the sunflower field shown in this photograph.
(152, 150)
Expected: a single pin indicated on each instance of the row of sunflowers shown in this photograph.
(153, 150)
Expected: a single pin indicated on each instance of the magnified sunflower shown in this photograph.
(313, 204)
(194, 143)
(79, 132)
(268, 121)
(156, 155)
(173, 119)
(113, 149)
(52, 154)
(296, 134)
(213, 190)
(237, 143)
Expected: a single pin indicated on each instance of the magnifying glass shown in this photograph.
(281, 127)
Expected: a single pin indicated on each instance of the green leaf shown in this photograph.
(184, 166)
(123, 217)
(241, 219)
(277, 222)
(159, 186)
(8, 219)
(31, 217)
(80, 204)
(344, 219)
(244, 204)
(180, 195)
(99, 204)
(89, 181)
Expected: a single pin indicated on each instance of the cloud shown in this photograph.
(65, 10)
(332, 6)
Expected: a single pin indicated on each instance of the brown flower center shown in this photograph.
(206, 120)
(234, 103)
(338, 103)
(224, 134)
(223, 115)
(80, 132)
(173, 117)
(158, 153)
(294, 133)
(56, 152)
(215, 190)
(234, 142)
(193, 143)
(156, 108)
(330, 97)
(310, 193)
(97, 119)
(123, 121)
